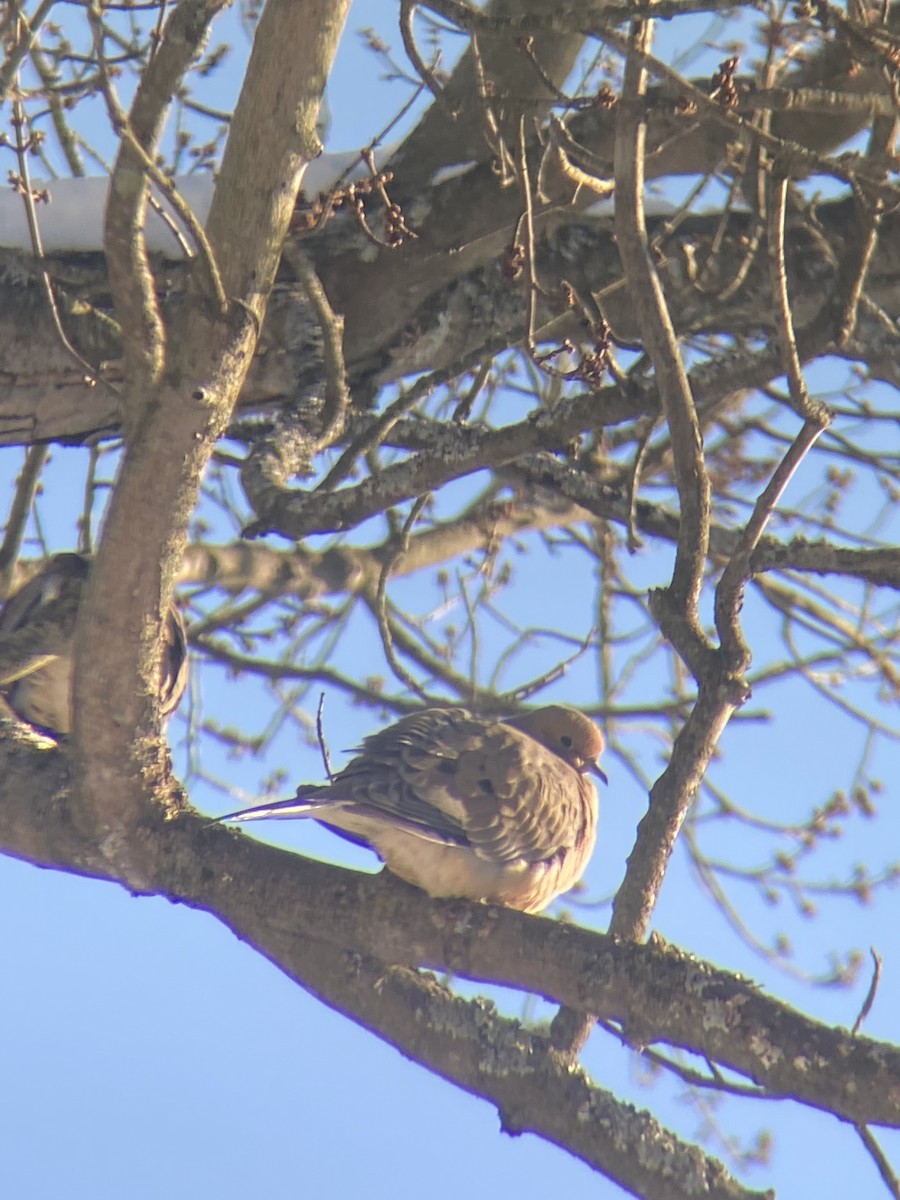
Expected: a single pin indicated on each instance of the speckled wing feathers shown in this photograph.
(522, 802)
(409, 771)
(459, 779)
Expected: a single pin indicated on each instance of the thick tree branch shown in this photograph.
(272, 138)
(457, 450)
(282, 903)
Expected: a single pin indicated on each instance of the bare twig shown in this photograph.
(715, 1080)
(730, 591)
(26, 486)
(407, 14)
(799, 395)
(320, 735)
(872, 992)
(143, 331)
(857, 259)
(337, 391)
(384, 625)
(27, 29)
(528, 224)
(885, 1170)
(205, 257)
(661, 343)
(34, 230)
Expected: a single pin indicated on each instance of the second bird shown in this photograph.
(468, 806)
(39, 688)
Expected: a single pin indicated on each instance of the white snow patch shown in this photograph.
(73, 220)
(451, 171)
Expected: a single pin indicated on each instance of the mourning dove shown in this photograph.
(462, 805)
(37, 625)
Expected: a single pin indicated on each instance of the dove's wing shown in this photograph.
(522, 802)
(451, 776)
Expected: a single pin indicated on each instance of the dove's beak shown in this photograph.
(596, 769)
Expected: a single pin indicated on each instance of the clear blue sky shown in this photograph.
(146, 1053)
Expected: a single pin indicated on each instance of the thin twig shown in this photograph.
(493, 135)
(885, 1170)
(28, 29)
(90, 490)
(131, 280)
(320, 734)
(526, 690)
(870, 995)
(658, 334)
(634, 480)
(797, 390)
(464, 407)
(528, 223)
(864, 231)
(204, 251)
(407, 13)
(92, 376)
(730, 591)
(384, 626)
(26, 486)
(337, 391)
(578, 164)
(715, 1080)
(372, 437)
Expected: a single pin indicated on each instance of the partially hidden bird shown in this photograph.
(38, 685)
(467, 806)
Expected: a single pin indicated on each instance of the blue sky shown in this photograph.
(147, 1053)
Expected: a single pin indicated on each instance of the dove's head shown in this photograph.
(568, 733)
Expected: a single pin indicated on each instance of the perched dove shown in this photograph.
(37, 682)
(461, 805)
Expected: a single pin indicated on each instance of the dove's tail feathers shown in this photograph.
(307, 803)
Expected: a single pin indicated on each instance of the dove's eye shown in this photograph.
(566, 741)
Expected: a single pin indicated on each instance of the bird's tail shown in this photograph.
(307, 803)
